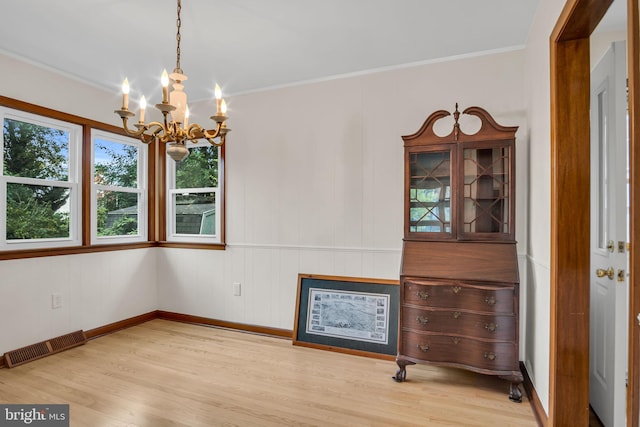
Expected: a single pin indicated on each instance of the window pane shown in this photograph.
(602, 197)
(34, 151)
(115, 164)
(37, 212)
(199, 170)
(117, 213)
(195, 213)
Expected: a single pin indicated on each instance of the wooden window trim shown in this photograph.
(161, 186)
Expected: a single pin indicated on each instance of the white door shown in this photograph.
(609, 284)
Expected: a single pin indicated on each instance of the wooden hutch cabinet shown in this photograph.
(459, 274)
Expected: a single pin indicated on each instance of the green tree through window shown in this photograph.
(40, 152)
(115, 170)
(199, 170)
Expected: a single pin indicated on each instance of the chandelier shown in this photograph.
(175, 129)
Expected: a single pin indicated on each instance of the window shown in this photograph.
(193, 196)
(68, 183)
(40, 199)
(119, 189)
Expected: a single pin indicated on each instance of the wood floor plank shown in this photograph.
(165, 373)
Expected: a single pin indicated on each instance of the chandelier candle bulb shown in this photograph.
(143, 106)
(218, 95)
(165, 86)
(186, 117)
(223, 108)
(125, 94)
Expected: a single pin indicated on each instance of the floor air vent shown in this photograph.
(45, 348)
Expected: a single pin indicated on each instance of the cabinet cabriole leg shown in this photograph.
(401, 375)
(515, 395)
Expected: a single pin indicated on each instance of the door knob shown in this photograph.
(609, 272)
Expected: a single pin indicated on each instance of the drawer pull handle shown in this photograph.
(490, 300)
(491, 327)
(422, 320)
(456, 289)
(424, 295)
(489, 355)
(423, 347)
(456, 314)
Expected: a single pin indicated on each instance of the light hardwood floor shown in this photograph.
(165, 373)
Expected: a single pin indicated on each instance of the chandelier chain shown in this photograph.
(179, 24)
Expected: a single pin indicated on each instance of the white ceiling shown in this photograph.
(248, 45)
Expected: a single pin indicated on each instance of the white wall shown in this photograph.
(98, 288)
(315, 179)
(537, 83)
(600, 42)
(50, 89)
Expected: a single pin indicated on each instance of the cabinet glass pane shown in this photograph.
(430, 192)
(486, 190)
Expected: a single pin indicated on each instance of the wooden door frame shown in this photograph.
(570, 211)
(633, 64)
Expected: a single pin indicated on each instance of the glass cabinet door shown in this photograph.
(429, 195)
(486, 191)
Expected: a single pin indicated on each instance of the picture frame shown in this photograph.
(348, 315)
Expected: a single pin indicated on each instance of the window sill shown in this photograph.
(71, 250)
(186, 245)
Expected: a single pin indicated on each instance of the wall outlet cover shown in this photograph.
(56, 301)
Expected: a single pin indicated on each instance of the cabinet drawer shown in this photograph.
(488, 326)
(487, 298)
(499, 356)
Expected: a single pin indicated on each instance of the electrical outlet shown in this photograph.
(56, 301)
(236, 289)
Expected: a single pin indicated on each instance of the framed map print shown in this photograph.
(347, 314)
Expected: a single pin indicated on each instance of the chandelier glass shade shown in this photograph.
(174, 129)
